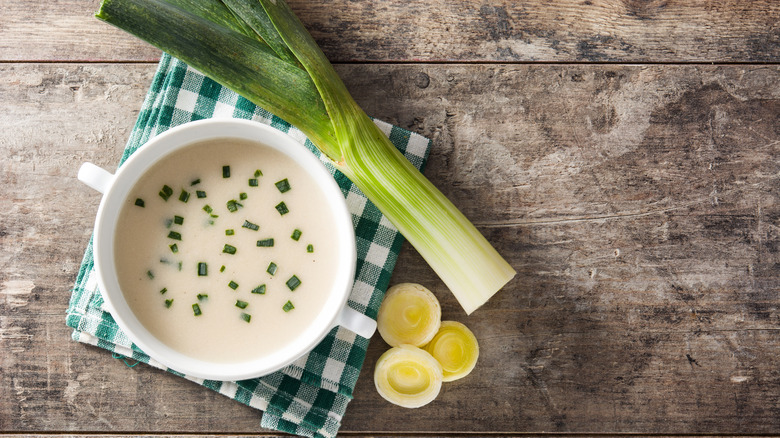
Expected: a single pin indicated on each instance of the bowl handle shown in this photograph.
(95, 177)
(357, 322)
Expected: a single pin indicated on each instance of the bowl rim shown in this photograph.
(131, 171)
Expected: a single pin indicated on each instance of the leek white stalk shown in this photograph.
(242, 47)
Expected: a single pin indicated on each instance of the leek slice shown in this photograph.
(455, 347)
(408, 376)
(410, 314)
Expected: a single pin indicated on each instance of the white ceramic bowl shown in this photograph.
(116, 188)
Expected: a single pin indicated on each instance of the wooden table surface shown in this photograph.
(623, 155)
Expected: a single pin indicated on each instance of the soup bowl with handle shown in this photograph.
(116, 190)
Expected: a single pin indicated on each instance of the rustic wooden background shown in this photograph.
(624, 155)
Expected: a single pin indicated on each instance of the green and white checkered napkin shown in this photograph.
(310, 396)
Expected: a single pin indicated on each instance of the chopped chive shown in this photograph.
(207, 208)
(165, 261)
(225, 171)
(282, 208)
(168, 223)
(241, 304)
(229, 232)
(179, 266)
(150, 274)
(174, 248)
(214, 216)
(203, 269)
(242, 196)
(253, 182)
(288, 306)
(195, 182)
(140, 202)
(246, 317)
(163, 290)
(259, 290)
(196, 309)
(211, 222)
(202, 297)
(266, 242)
(310, 248)
(293, 282)
(296, 234)
(174, 235)
(184, 196)
(200, 194)
(168, 303)
(178, 220)
(233, 285)
(250, 225)
(222, 269)
(271, 268)
(233, 205)
(283, 185)
(258, 173)
(229, 249)
(166, 192)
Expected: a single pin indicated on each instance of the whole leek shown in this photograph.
(262, 51)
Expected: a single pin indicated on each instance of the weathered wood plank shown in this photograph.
(503, 30)
(639, 205)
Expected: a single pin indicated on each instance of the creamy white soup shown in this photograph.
(223, 251)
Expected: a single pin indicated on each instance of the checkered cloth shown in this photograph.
(310, 396)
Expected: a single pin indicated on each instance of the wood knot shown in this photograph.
(644, 9)
(422, 80)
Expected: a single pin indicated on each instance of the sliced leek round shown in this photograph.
(408, 376)
(455, 347)
(409, 314)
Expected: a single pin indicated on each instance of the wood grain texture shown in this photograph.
(439, 30)
(639, 204)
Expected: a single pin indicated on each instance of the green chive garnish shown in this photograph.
(174, 248)
(241, 304)
(203, 269)
(251, 226)
(225, 171)
(282, 208)
(150, 274)
(184, 196)
(168, 223)
(310, 248)
(230, 232)
(166, 192)
(163, 290)
(253, 182)
(179, 266)
(242, 196)
(196, 309)
(296, 234)
(202, 297)
(233, 285)
(139, 202)
(259, 290)
(168, 303)
(283, 185)
(258, 173)
(195, 182)
(229, 249)
(178, 220)
(271, 268)
(288, 306)
(174, 235)
(293, 282)
(266, 242)
(246, 317)
(200, 194)
(233, 205)
(222, 269)
(207, 208)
